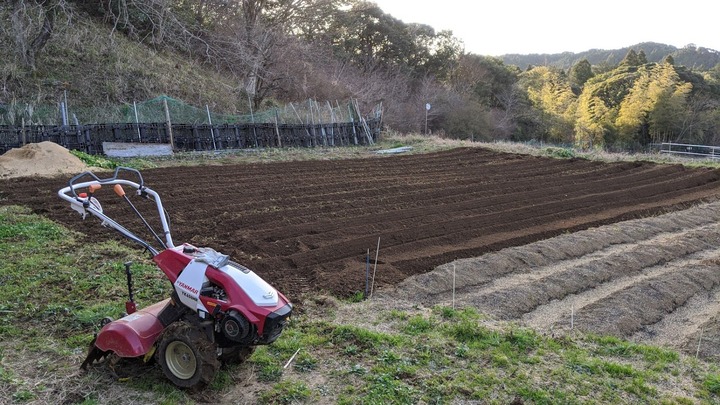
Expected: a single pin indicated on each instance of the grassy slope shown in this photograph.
(98, 68)
(56, 285)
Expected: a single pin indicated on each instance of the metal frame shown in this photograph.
(83, 205)
(707, 151)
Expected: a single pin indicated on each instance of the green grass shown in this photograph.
(711, 383)
(95, 160)
(55, 289)
(448, 355)
(287, 392)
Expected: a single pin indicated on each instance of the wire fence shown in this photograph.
(186, 128)
(90, 138)
(158, 109)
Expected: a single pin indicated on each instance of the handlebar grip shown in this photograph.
(118, 169)
(119, 190)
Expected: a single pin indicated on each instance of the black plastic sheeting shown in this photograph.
(89, 138)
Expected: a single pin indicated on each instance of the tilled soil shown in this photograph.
(307, 227)
(654, 280)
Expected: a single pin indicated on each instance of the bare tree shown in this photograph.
(32, 24)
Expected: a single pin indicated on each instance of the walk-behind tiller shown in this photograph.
(218, 310)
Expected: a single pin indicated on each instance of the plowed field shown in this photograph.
(307, 227)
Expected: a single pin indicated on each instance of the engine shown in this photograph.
(213, 291)
(236, 328)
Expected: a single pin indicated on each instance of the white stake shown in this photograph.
(572, 317)
(372, 284)
(291, 358)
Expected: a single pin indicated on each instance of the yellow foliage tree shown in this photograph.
(654, 106)
(550, 92)
(593, 118)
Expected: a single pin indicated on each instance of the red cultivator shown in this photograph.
(218, 310)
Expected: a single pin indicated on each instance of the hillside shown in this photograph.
(694, 57)
(102, 58)
(97, 70)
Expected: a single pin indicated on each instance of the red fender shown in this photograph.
(133, 335)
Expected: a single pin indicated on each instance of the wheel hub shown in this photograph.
(181, 360)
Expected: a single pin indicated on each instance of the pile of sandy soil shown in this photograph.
(45, 159)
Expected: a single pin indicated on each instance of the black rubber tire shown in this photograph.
(185, 355)
(235, 354)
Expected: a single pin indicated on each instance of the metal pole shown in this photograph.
(277, 129)
(367, 273)
(65, 110)
(168, 123)
(137, 121)
(252, 119)
(212, 133)
(426, 119)
(24, 138)
(63, 113)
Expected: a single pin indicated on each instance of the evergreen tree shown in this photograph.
(642, 59)
(580, 73)
(669, 60)
(631, 59)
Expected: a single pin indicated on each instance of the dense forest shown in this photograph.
(240, 55)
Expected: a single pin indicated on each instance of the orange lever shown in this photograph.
(94, 187)
(119, 190)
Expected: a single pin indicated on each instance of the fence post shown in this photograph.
(168, 123)
(137, 121)
(212, 133)
(252, 120)
(277, 129)
(24, 139)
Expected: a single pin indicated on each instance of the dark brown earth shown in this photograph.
(307, 227)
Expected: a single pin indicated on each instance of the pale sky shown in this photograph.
(500, 27)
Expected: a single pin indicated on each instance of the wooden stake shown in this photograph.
(697, 352)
